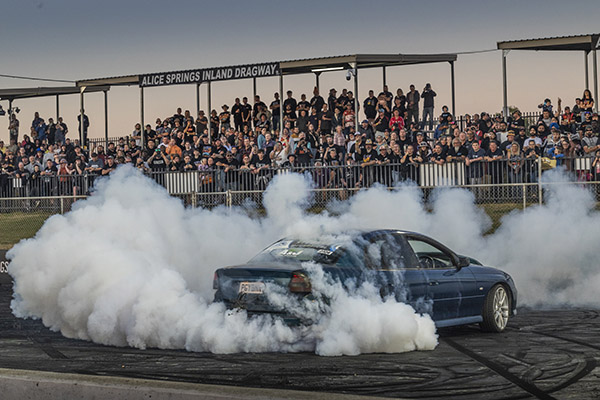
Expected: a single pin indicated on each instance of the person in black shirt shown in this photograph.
(262, 165)
(456, 152)
(290, 101)
(188, 164)
(275, 108)
(246, 111)
(231, 165)
(317, 101)
(367, 158)
(303, 104)
(258, 106)
(400, 102)
(303, 153)
(370, 106)
(325, 121)
(332, 99)
(383, 171)
(387, 95)
(178, 116)
(236, 111)
(381, 123)
(289, 115)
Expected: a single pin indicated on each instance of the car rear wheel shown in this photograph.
(496, 310)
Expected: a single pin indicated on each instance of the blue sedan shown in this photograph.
(413, 268)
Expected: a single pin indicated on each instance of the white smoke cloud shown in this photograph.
(131, 266)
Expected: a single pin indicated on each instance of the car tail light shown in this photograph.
(299, 283)
(216, 281)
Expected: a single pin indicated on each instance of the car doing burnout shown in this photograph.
(453, 289)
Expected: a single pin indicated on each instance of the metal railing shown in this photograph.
(355, 176)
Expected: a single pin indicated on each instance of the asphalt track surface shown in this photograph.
(550, 354)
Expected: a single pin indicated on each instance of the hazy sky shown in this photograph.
(76, 39)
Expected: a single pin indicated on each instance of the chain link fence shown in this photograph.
(22, 217)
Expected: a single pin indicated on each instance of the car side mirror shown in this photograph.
(463, 261)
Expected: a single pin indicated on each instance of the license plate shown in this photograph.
(252, 287)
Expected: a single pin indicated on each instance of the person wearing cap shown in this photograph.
(510, 139)
(424, 151)
(95, 165)
(367, 158)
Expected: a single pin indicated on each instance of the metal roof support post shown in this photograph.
(253, 89)
(595, 67)
(384, 76)
(142, 116)
(504, 91)
(197, 100)
(209, 112)
(57, 107)
(356, 97)
(453, 88)
(317, 81)
(81, 117)
(280, 105)
(106, 118)
(587, 73)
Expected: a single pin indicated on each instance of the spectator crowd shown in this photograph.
(242, 146)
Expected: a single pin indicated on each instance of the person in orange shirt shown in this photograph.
(173, 149)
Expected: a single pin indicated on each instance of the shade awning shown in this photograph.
(587, 43)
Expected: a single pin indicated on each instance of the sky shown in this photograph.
(75, 39)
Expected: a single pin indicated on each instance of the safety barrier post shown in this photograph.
(228, 199)
(540, 191)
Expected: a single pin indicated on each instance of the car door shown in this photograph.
(452, 289)
(391, 263)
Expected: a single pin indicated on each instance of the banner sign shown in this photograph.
(210, 74)
(4, 276)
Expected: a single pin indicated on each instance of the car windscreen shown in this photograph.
(287, 251)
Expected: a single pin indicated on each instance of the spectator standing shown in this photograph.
(275, 108)
(290, 101)
(86, 125)
(428, 105)
(370, 106)
(387, 95)
(246, 111)
(412, 98)
(317, 101)
(13, 128)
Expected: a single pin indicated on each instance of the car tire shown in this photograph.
(496, 310)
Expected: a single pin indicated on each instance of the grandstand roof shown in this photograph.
(307, 65)
(24, 93)
(586, 42)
